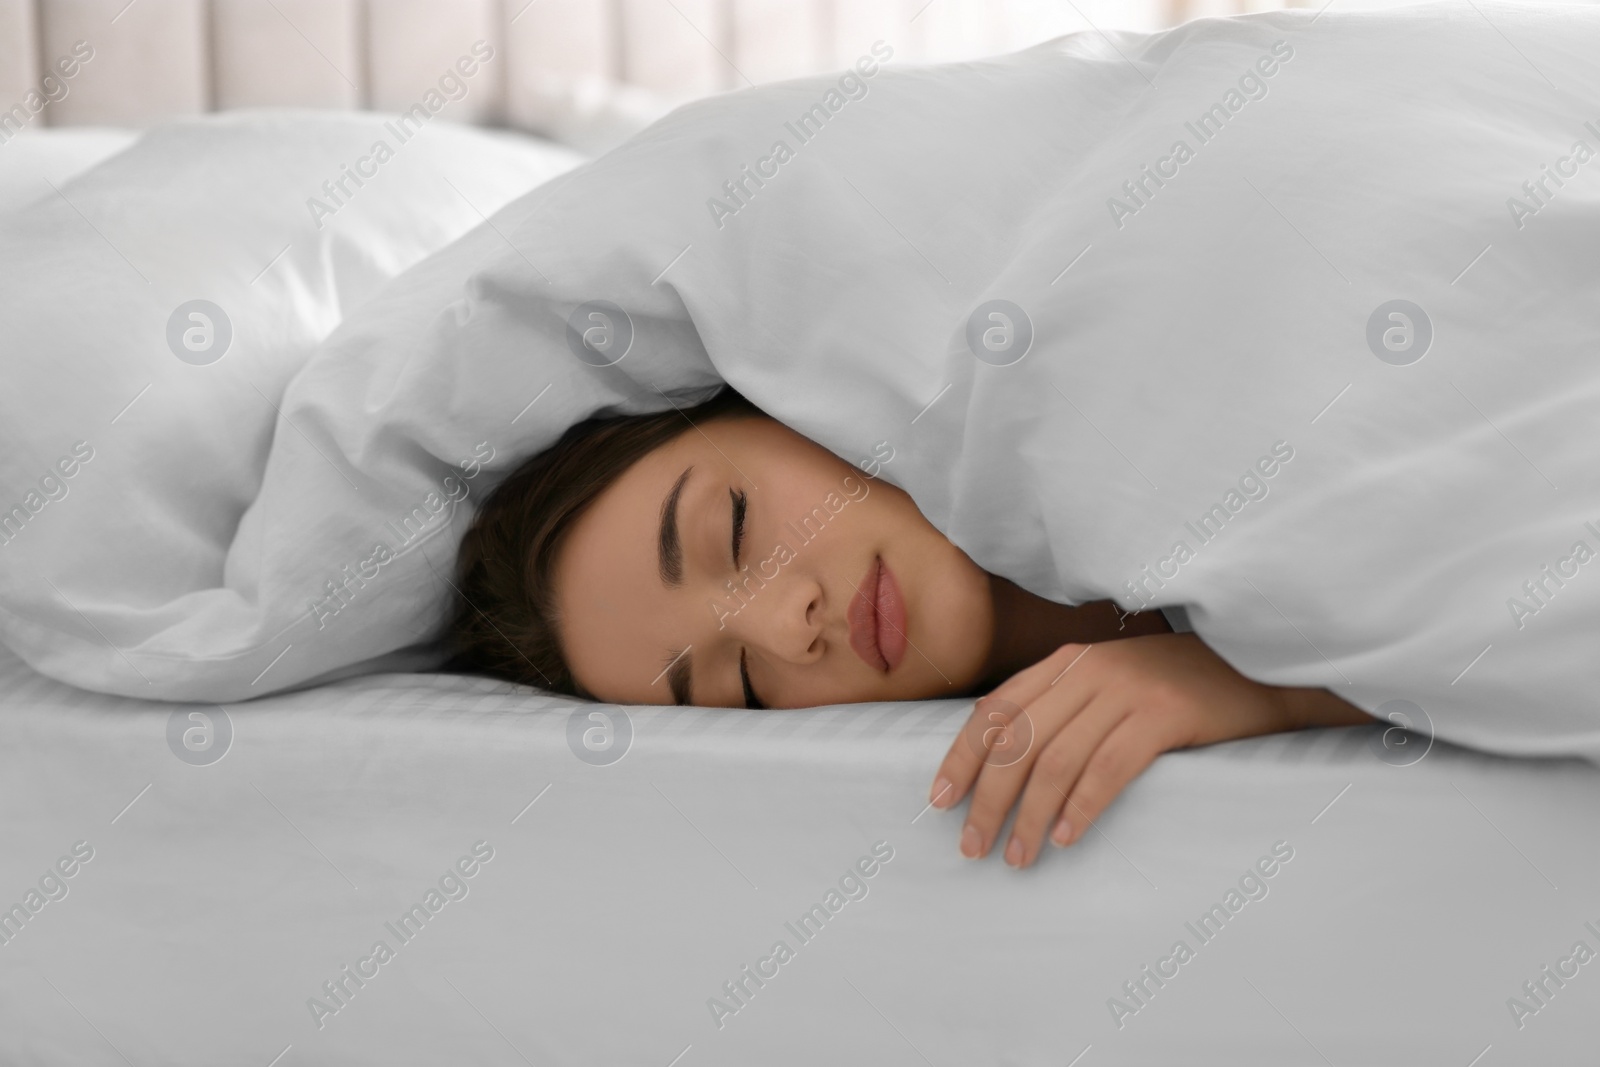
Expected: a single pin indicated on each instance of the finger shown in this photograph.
(1057, 770)
(1121, 757)
(999, 784)
(985, 729)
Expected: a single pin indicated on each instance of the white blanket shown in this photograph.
(1200, 238)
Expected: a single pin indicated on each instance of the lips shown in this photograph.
(878, 619)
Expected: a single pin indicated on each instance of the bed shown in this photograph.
(621, 896)
(559, 883)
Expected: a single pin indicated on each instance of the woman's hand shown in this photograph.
(1068, 733)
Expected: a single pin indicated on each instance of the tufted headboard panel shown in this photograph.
(152, 59)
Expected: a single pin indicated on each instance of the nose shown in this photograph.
(784, 619)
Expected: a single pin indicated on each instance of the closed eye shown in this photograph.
(751, 701)
(740, 502)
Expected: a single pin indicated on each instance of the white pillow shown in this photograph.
(126, 467)
(35, 159)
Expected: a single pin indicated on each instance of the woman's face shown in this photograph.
(841, 591)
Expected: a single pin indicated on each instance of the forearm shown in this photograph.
(1318, 707)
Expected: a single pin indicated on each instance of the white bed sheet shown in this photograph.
(620, 898)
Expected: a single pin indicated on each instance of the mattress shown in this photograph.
(555, 888)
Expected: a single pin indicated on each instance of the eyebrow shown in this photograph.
(668, 548)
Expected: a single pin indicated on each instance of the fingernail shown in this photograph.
(939, 795)
(1014, 853)
(1062, 833)
(971, 842)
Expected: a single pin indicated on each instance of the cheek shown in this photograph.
(957, 618)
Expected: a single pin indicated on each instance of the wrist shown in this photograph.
(1309, 708)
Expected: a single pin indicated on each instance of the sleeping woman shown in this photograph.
(616, 566)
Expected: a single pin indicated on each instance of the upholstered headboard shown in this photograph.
(152, 59)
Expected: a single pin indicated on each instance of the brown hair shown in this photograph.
(505, 620)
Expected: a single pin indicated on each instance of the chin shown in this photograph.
(961, 617)
(944, 666)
